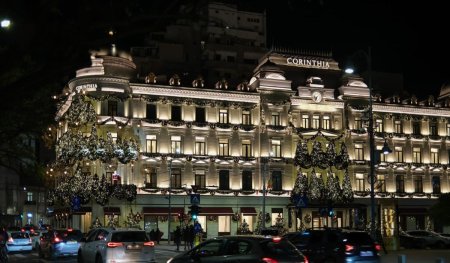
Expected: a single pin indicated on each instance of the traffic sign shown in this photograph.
(195, 199)
(301, 201)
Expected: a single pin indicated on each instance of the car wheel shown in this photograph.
(79, 257)
(98, 259)
(440, 245)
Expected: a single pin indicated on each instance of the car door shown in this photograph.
(209, 252)
(239, 251)
(88, 248)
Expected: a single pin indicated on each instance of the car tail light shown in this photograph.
(69, 229)
(269, 260)
(29, 240)
(56, 240)
(10, 240)
(349, 248)
(149, 243)
(377, 246)
(22, 230)
(114, 244)
(306, 260)
(276, 239)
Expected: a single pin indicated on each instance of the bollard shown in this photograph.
(401, 259)
(440, 260)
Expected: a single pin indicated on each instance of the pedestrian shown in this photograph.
(177, 237)
(186, 236)
(191, 235)
(152, 235)
(158, 235)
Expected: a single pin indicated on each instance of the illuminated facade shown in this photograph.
(216, 139)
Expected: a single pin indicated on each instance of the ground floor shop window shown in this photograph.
(150, 222)
(111, 220)
(86, 222)
(249, 221)
(202, 221)
(224, 224)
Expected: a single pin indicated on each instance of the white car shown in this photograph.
(18, 241)
(116, 245)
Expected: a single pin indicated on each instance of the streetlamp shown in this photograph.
(5, 23)
(373, 151)
(177, 151)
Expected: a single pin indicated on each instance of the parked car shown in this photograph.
(409, 241)
(432, 239)
(60, 242)
(116, 245)
(336, 245)
(18, 241)
(36, 238)
(242, 249)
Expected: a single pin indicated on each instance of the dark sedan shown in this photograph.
(243, 249)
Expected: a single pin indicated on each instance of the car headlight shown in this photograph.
(170, 260)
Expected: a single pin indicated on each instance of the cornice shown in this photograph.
(297, 101)
(195, 94)
(411, 110)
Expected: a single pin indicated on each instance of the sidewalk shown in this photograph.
(163, 245)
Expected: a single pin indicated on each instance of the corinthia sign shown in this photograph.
(307, 63)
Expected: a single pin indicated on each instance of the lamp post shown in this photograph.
(373, 151)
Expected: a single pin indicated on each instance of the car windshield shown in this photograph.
(18, 235)
(69, 235)
(360, 238)
(281, 249)
(129, 236)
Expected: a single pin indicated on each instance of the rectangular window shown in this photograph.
(247, 180)
(150, 178)
(305, 121)
(358, 123)
(112, 108)
(114, 136)
(418, 184)
(382, 155)
(398, 126)
(359, 152)
(379, 125)
(416, 128)
(224, 180)
(400, 183)
(151, 112)
(246, 117)
(448, 129)
(30, 196)
(436, 184)
(399, 154)
(150, 143)
(200, 179)
(200, 115)
(223, 116)
(200, 146)
(223, 147)
(275, 119)
(433, 128)
(417, 155)
(360, 182)
(176, 178)
(246, 148)
(176, 113)
(276, 148)
(434, 155)
(326, 123)
(316, 122)
(381, 183)
(224, 224)
(277, 181)
(175, 146)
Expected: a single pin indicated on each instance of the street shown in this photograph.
(164, 252)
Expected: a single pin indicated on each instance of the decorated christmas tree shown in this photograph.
(301, 184)
(244, 228)
(347, 192)
(315, 183)
(259, 224)
(333, 188)
(279, 225)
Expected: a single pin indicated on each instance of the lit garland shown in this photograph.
(315, 187)
(133, 219)
(80, 112)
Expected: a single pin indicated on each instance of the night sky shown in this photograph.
(51, 39)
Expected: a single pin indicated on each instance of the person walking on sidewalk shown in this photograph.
(177, 237)
(186, 236)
